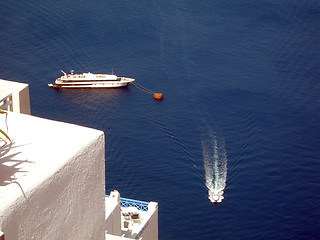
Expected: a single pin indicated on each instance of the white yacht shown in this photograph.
(90, 80)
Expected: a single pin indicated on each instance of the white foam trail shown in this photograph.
(215, 166)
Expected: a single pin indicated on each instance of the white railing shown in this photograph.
(6, 103)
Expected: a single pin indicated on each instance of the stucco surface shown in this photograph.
(52, 181)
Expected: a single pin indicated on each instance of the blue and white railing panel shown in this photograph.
(140, 205)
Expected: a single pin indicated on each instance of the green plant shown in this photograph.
(4, 136)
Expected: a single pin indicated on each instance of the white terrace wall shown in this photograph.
(20, 95)
(113, 214)
(150, 231)
(52, 181)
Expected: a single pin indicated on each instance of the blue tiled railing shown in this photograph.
(140, 205)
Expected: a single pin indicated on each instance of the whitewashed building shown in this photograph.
(130, 219)
(52, 181)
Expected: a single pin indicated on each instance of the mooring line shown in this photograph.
(157, 96)
(142, 88)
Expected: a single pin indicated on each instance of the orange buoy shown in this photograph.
(158, 96)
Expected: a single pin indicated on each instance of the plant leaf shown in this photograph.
(3, 133)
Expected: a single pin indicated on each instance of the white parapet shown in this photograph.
(113, 214)
(14, 96)
(52, 181)
(150, 231)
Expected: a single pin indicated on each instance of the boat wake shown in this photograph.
(215, 166)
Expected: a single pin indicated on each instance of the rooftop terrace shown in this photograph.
(138, 219)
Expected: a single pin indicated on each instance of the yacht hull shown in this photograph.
(89, 85)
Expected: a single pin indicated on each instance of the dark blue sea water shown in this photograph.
(243, 72)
